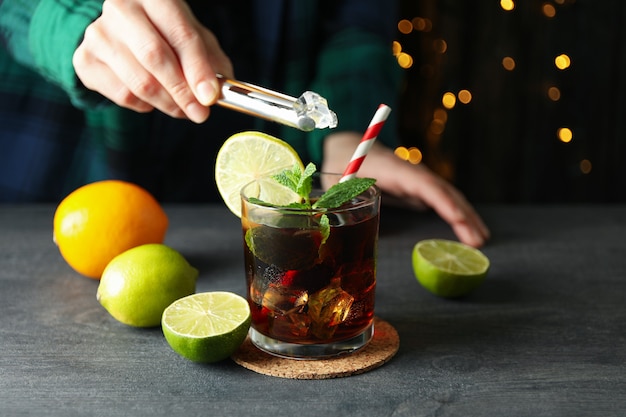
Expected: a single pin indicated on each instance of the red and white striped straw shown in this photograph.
(367, 141)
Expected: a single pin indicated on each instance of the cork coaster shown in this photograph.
(379, 350)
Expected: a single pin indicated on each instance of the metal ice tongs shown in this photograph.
(309, 111)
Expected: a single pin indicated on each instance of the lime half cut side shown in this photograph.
(447, 268)
(208, 326)
(252, 156)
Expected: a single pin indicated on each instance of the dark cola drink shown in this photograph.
(312, 293)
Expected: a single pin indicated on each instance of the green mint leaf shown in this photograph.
(300, 206)
(290, 178)
(295, 205)
(343, 192)
(260, 202)
(306, 181)
(324, 228)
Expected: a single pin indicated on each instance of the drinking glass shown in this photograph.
(311, 295)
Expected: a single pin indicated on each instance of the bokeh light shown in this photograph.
(548, 10)
(465, 96)
(507, 5)
(402, 153)
(396, 48)
(562, 61)
(412, 155)
(448, 100)
(421, 24)
(405, 60)
(405, 26)
(565, 134)
(508, 63)
(440, 46)
(441, 115)
(437, 126)
(554, 93)
(415, 156)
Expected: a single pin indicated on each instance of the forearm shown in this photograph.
(380, 163)
(412, 185)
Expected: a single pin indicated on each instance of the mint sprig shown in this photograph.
(300, 182)
(341, 192)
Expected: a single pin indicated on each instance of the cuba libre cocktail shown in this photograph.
(311, 291)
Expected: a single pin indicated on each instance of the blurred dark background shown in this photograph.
(536, 89)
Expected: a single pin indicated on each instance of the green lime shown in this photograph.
(206, 327)
(447, 268)
(137, 285)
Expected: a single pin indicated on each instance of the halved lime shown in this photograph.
(447, 268)
(208, 326)
(249, 156)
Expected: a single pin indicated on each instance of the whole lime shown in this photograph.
(447, 268)
(138, 285)
(207, 327)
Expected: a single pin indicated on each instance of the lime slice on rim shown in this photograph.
(447, 268)
(249, 156)
(208, 326)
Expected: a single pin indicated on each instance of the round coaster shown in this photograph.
(379, 350)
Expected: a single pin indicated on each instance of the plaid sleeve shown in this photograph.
(43, 35)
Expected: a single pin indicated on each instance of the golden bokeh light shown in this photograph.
(396, 48)
(405, 60)
(508, 63)
(562, 61)
(548, 10)
(402, 153)
(448, 100)
(507, 5)
(585, 166)
(465, 96)
(565, 134)
(412, 155)
(405, 26)
(415, 156)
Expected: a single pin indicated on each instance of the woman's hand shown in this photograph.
(147, 54)
(415, 185)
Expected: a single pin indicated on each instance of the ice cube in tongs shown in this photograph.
(308, 112)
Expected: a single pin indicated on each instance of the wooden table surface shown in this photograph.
(544, 336)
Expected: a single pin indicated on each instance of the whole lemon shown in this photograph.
(139, 284)
(98, 221)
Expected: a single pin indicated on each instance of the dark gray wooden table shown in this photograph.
(544, 336)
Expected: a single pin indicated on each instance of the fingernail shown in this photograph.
(196, 112)
(207, 92)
